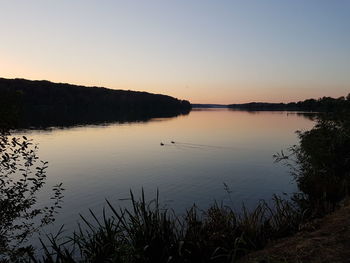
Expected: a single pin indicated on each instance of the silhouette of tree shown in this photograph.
(325, 104)
(320, 164)
(44, 103)
(22, 175)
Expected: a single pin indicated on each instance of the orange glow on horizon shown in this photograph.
(192, 94)
(210, 53)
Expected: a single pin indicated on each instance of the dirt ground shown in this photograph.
(325, 240)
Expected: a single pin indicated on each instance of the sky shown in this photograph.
(205, 51)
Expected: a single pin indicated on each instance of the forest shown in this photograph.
(324, 104)
(44, 103)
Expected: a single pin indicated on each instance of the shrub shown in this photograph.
(321, 164)
(22, 175)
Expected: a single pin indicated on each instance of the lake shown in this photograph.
(201, 151)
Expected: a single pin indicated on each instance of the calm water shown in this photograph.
(211, 147)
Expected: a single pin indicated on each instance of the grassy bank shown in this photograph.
(320, 241)
(148, 233)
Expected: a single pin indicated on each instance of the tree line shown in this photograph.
(324, 104)
(44, 103)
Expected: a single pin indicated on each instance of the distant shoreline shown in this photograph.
(324, 104)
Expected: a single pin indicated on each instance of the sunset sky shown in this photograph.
(216, 51)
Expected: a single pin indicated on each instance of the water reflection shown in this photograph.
(43, 120)
(201, 152)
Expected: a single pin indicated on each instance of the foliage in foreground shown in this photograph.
(148, 233)
(321, 164)
(22, 175)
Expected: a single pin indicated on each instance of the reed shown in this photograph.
(149, 233)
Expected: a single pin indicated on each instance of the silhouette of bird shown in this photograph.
(161, 144)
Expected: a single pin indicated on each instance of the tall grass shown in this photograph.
(149, 233)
